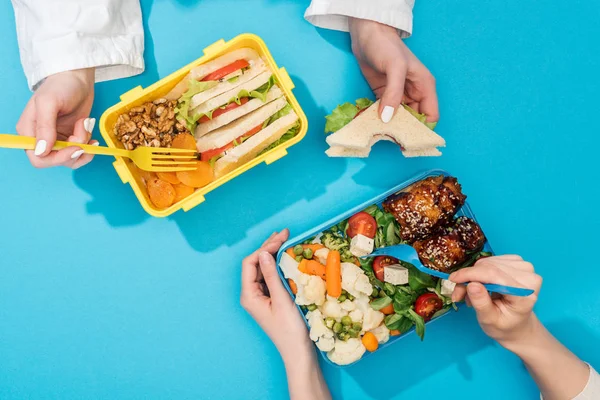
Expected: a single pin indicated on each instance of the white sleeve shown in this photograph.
(62, 35)
(333, 14)
(591, 391)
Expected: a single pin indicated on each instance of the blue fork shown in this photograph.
(408, 254)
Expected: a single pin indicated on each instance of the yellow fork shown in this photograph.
(154, 159)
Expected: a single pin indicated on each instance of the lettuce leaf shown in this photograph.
(343, 114)
(291, 133)
(260, 93)
(183, 107)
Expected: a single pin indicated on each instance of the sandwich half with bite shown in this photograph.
(355, 128)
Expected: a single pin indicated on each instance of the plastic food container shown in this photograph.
(464, 211)
(137, 96)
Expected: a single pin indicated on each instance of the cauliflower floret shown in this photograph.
(311, 292)
(356, 315)
(331, 308)
(321, 255)
(348, 305)
(289, 267)
(382, 333)
(319, 332)
(371, 319)
(363, 285)
(346, 352)
(354, 280)
(317, 239)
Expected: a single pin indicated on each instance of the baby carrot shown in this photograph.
(394, 332)
(387, 310)
(333, 274)
(302, 266)
(293, 286)
(290, 252)
(316, 268)
(370, 342)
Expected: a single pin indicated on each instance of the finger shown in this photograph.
(459, 293)
(512, 257)
(276, 241)
(482, 274)
(46, 113)
(26, 124)
(85, 158)
(429, 102)
(269, 271)
(269, 238)
(481, 302)
(394, 90)
(82, 132)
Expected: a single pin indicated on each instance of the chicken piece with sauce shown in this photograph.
(425, 206)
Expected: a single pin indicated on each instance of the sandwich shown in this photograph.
(235, 109)
(355, 128)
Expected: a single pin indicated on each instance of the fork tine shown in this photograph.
(166, 157)
(170, 169)
(173, 163)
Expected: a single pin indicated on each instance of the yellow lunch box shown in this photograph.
(137, 96)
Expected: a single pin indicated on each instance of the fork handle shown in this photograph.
(28, 143)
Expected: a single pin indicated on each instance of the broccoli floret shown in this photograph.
(336, 241)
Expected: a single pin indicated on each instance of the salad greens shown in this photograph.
(183, 107)
(292, 132)
(346, 112)
(388, 229)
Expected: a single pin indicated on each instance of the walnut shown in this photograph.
(151, 124)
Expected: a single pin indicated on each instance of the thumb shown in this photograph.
(481, 302)
(394, 90)
(45, 128)
(269, 271)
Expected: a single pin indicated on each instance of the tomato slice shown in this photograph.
(223, 110)
(362, 224)
(209, 154)
(226, 70)
(382, 261)
(428, 304)
(360, 112)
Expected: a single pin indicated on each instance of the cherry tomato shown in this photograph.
(223, 110)
(362, 224)
(382, 261)
(209, 154)
(226, 70)
(428, 304)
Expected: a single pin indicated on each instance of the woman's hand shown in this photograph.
(59, 110)
(267, 301)
(392, 70)
(265, 298)
(507, 319)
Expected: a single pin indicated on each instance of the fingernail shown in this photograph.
(77, 154)
(387, 114)
(40, 147)
(96, 144)
(88, 124)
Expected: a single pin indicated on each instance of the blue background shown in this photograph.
(99, 300)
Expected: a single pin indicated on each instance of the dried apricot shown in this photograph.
(170, 177)
(182, 191)
(145, 175)
(201, 176)
(161, 193)
(184, 141)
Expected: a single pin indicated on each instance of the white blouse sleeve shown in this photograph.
(591, 391)
(62, 35)
(333, 14)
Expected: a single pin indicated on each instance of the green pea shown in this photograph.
(342, 298)
(312, 307)
(308, 254)
(350, 297)
(346, 328)
(352, 333)
(298, 249)
(299, 258)
(343, 336)
(337, 327)
(357, 326)
(375, 292)
(329, 322)
(346, 321)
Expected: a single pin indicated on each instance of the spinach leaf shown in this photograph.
(405, 325)
(371, 210)
(441, 312)
(419, 323)
(393, 321)
(381, 302)
(389, 288)
(403, 301)
(418, 280)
